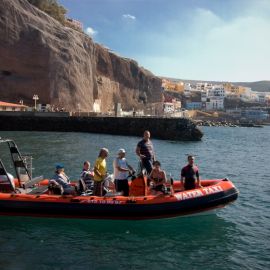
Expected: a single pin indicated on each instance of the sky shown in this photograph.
(222, 40)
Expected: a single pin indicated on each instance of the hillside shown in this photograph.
(63, 66)
(260, 86)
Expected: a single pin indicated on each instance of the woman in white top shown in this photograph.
(121, 172)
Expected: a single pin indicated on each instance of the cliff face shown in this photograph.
(64, 67)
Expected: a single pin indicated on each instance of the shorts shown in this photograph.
(189, 184)
(122, 185)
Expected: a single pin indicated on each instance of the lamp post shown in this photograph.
(79, 109)
(35, 98)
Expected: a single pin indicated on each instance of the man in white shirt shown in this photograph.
(121, 172)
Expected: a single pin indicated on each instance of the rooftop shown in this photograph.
(7, 104)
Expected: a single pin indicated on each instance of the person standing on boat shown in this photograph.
(121, 171)
(189, 175)
(61, 180)
(145, 151)
(100, 171)
(87, 175)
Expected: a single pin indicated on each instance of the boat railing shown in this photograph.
(28, 162)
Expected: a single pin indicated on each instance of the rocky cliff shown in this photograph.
(64, 67)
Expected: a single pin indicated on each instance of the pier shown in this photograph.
(178, 129)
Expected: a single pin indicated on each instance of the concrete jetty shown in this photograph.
(179, 129)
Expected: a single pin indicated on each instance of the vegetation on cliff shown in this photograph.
(65, 68)
(53, 9)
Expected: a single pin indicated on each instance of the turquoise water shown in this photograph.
(236, 237)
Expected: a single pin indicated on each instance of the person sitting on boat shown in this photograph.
(189, 175)
(87, 175)
(100, 171)
(61, 181)
(158, 178)
(121, 172)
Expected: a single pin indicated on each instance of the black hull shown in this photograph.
(129, 211)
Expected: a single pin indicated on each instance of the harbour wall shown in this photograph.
(179, 129)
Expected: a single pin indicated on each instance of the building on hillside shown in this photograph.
(77, 24)
(173, 86)
(252, 114)
(187, 89)
(213, 98)
(214, 103)
(202, 86)
(246, 96)
(216, 91)
(234, 112)
(44, 107)
(171, 105)
(168, 107)
(262, 97)
(12, 107)
(267, 99)
(193, 105)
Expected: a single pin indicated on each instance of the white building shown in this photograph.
(168, 107)
(216, 91)
(261, 97)
(13, 107)
(97, 106)
(213, 97)
(214, 103)
(187, 89)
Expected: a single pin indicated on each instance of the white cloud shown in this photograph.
(90, 31)
(129, 17)
(210, 47)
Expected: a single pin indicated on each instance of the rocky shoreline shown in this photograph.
(209, 123)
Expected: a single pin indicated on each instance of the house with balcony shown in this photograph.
(213, 98)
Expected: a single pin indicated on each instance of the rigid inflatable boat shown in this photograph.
(27, 196)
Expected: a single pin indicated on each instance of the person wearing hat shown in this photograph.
(61, 180)
(121, 172)
(100, 171)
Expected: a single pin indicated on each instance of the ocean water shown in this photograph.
(236, 237)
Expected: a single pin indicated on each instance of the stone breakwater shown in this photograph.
(208, 123)
(180, 129)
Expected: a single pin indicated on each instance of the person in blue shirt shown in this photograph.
(61, 180)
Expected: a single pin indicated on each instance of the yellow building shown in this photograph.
(173, 86)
